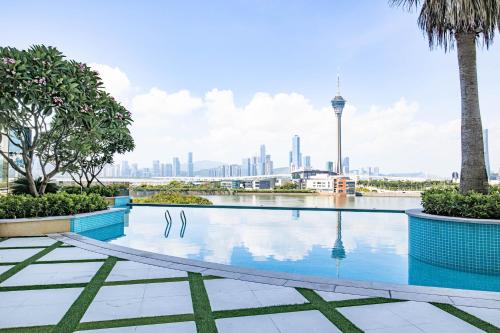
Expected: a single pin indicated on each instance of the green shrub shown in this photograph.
(449, 202)
(174, 198)
(51, 204)
(20, 186)
(105, 191)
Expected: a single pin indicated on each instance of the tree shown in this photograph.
(463, 23)
(110, 136)
(47, 110)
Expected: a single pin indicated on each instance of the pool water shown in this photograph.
(345, 245)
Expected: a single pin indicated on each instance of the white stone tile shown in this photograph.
(491, 316)
(229, 285)
(17, 255)
(27, 241)
(279, 297)
(183, 327)
(476, 302)
(401, 315)
(332, 296)
(250, 324)
(54, 274)
(5, 268)
(130, 270)
(140, 300)
(35, 307)
(362, 291)
(71, 253)
(303, 321)
(233, 300)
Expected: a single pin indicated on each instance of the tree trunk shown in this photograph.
(473, 174)
(31, 184)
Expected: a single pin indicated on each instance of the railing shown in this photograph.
(168, 218)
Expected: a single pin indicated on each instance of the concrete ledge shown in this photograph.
(38, 226)
(364, 288)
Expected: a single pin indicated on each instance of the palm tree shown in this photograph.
(463, 23)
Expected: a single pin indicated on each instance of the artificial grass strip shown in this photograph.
(140, 321)
(75, 313)
(21, 265)
(30, 329)
(363, 301)
(329, 311)
(263, 311)
(203, 315)
(212, 277)
(467, 317)
(43, 286)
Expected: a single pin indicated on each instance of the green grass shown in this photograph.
(135, 321)
(75, 313)
(203, 315)
(329, 311)
(21, 265)
(474, 321)
(263, 310)
(363, 301)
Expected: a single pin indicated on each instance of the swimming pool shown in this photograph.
(347, 245)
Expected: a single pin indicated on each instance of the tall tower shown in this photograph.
(190, 165)
(338, 103)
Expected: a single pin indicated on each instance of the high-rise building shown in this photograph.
(176, 170)
(329, 166)
(262, 160)
(125, 170)
(156, 168)
(268, 166)
(134, 170)
(254, 166)
(486, 153)
(246, 167)
(235, 170)
(307, 162)
(345, 165)
(296, 155)
(289, 158)
(190, 165)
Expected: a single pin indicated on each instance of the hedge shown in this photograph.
(173, 198)
(51, 204)
(449, 202)
(105, 191)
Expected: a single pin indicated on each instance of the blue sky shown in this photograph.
(270, 47)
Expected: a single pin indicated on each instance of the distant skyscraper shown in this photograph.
(254, 166)
(176, 172)
(345, 165)
(125, 170)
(190, 165)
(329, 166)
(156, 168)
(268, 166)
(376, 171)
(486, 153)
(307, 162)
(262, 160)
(296, 155)
(134, 170)
(246, 167)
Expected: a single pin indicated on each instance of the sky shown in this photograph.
(220, 78)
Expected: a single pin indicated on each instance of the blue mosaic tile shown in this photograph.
(468, 247)
(121, 201)
(95, 221)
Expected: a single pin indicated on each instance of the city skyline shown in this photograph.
(253, 83)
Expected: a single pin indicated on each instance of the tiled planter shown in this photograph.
(120, 201)
(469, 245)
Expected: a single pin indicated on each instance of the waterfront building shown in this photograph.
(486, 153)
(176, 171)
(338, 103)
(296, 154)
(338, 184)
(190, 165)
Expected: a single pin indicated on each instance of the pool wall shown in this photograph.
(468, 245)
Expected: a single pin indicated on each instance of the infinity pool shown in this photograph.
(347, 245)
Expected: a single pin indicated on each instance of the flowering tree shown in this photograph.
(111, 136)
(51, 110)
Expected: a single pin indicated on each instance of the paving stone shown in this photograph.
(402, 315)
(54, 274)
(230, 294)
(140, 300)
(362, 291)
(35, 307)
(476, 302)
(5, 268)
(331, 296)
(183, 327)
(420, 297)
(293, 322)
(70, 253)
(130, 270)
(27, 241)
(491, 316)
(17, 255)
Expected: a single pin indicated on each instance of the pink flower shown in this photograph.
(40, 80)
(82, 66)
(8, 61)
(57, 101)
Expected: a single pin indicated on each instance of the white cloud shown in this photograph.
(214, 127)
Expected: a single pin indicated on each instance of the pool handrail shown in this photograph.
(168, 218)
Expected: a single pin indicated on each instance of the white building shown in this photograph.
(332, 184)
